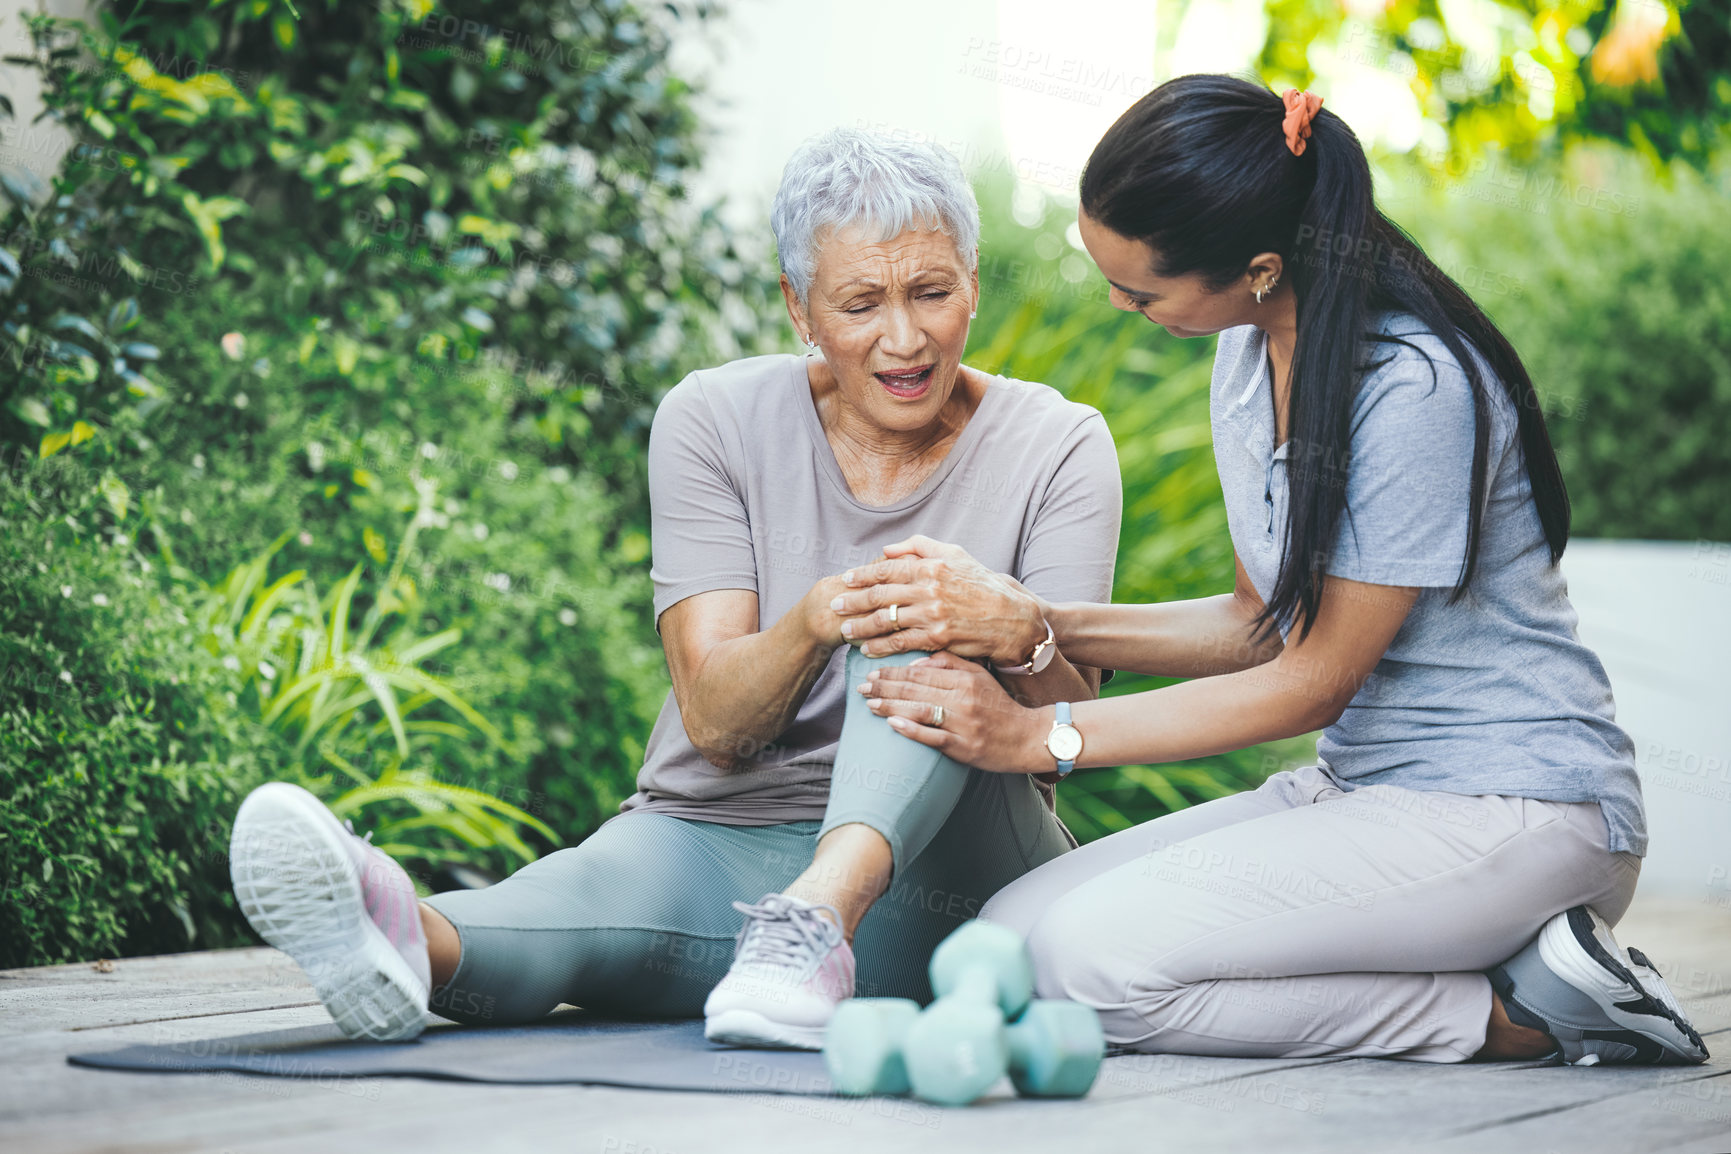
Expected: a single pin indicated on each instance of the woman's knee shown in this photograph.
(1073, 953)
(904, 790)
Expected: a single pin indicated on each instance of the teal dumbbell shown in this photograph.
(862, 1045)
(985, 1024)
(1056, 1048)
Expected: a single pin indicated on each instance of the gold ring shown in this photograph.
(893, 623)
(937, 717)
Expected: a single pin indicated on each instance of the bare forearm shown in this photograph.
(749, 689)
(1198, 638)
(1206, 716)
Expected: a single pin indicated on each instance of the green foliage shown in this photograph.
(315, 678)
(375, 248)
(122, 755)
(327, 675)
(1528, 75)
(1624, 321)
(413, 803)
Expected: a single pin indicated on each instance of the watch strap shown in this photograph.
(1061, 716)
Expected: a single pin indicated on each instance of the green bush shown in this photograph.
(1607, 277)
(122, 754)
(353, 690)
(367, 250)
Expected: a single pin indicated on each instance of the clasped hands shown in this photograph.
(962, 613)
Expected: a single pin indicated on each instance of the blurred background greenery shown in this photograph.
(330, 349)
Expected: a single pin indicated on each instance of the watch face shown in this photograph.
(1064, 742)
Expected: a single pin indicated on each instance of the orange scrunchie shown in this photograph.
(1300, 109)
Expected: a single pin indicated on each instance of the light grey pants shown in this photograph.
(1299, 919)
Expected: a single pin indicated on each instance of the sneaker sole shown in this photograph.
(750, 1028)
(294, 881)
(1654, 1012)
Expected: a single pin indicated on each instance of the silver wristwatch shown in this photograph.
(1064, 742)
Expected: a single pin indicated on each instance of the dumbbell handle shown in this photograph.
(977, 984)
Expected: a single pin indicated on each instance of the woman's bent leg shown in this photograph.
(1025, 900)
(889, 796)
(999, 829)
(637, 919)
(1358, 925)
(924, 837)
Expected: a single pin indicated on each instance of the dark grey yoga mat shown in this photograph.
(570, 1046)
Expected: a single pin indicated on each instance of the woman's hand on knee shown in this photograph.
(943, 600)
(956, 706)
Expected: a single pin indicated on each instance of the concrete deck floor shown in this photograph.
(1145, 1103)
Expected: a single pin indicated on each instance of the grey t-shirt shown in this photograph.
(745, 493)
(1493, 694)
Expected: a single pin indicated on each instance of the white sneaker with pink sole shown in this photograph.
(336, 904)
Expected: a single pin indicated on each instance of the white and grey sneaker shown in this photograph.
(1598, 1002)
(336, 904)
(791, 968)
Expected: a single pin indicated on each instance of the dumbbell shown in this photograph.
(961, 1045)
(862, 1045)
(984, 1024)
(1053, 1050)
(865, 1042)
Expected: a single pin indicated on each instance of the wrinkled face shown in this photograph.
(892, 319)
(1182, 305)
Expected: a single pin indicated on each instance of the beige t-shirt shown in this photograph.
(745, 493)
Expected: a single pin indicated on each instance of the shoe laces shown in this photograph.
(349, 824)
(779, 931)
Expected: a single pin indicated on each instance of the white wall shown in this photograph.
(1659, 616)
(35, 148)
(1024, 83)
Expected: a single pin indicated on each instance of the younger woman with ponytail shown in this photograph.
(1442, 884)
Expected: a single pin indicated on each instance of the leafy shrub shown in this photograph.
(322, 669)
(122, 755)
(382, 249)
(1606, 276)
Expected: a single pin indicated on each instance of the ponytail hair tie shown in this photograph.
(1300, 110)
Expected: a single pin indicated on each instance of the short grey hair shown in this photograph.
(848, 176)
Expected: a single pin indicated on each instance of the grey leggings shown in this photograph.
(638, 918)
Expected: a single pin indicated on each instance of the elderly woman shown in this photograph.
(764, 778)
